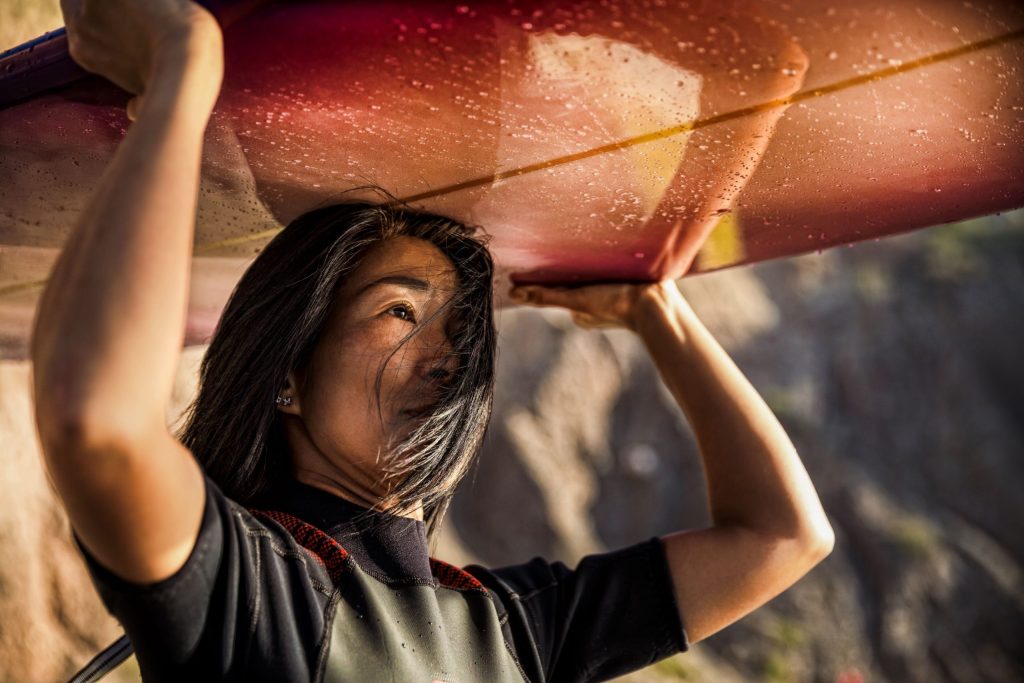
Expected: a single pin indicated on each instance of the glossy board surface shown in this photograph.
(592, 141)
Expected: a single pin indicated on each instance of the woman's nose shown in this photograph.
(439, 374)
(438, 361)
(437, 356)
(439, 364)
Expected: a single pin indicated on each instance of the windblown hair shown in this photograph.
(272, 322)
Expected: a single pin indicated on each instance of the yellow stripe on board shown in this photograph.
(233, 241)
(21, 287)
(728, 116)
(689, 126)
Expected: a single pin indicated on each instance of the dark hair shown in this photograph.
(272, 322)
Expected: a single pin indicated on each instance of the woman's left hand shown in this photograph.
(124, 40)
(591, 306)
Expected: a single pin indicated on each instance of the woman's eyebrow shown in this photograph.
(404, 280)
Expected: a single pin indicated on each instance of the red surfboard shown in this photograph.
(635, 140)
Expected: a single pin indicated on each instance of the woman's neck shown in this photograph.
(354, 495)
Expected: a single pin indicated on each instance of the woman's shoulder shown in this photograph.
(267, 542)
(293, 539)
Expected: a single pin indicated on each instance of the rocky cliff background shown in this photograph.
(894, 366)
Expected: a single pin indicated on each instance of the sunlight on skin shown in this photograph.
(334, 432)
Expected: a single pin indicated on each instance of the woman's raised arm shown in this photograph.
(768, 526)
(110, 324)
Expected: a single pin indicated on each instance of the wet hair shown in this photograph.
(272, 323)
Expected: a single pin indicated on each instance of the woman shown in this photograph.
(342, 398)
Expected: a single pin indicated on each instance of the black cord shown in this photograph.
(104, 662)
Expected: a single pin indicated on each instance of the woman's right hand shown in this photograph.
(122, 40)
(616, 304)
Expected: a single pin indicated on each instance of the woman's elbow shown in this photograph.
(805, 547)
(795, 555)
(819, 541)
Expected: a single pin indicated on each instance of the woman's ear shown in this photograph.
(288, 397)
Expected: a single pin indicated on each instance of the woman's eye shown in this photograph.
(403, 311)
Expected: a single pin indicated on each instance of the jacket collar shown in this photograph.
(390, 547)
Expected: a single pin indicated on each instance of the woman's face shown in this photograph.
(336, 432)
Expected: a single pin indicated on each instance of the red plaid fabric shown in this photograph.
(325, 549)
(451, 576)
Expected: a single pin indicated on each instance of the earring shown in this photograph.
(286, 401)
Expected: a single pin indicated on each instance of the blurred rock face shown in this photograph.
(48, 610)
(894, 369)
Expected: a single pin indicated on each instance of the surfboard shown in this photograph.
(631, 139)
